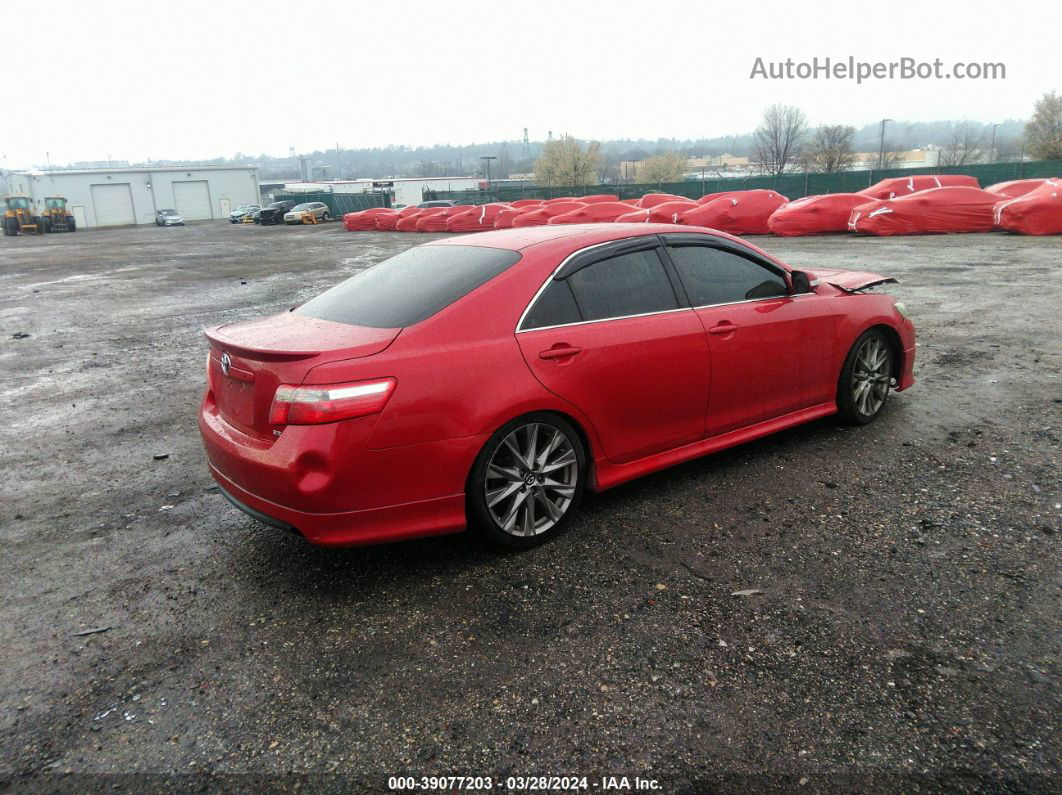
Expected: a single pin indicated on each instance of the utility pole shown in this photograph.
(487, 159)
(881, 147)
(339, 168)
(992, 148)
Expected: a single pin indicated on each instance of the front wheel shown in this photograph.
(326, 217)
(863, 388)
(527, 481)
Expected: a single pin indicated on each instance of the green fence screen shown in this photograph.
(793, 186)
(338, 203)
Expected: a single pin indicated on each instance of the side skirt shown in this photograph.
(609, 474)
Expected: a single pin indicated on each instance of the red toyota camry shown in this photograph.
(485, 381)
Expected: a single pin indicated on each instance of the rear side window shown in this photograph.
(555, 307)
(409, 287)
(713, 276)
(627, 284)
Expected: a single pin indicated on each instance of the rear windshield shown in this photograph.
(409, 287)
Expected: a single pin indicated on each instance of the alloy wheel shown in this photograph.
(531, 479)
(871, 376)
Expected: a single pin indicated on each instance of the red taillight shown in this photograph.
(309, 405)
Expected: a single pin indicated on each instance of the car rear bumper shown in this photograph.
(327, 483)
(352, 528)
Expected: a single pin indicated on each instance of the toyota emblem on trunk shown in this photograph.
(226, 363)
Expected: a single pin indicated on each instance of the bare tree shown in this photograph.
(964, 146)
(778, 139)
(891, 157)
(1044, 130)
(564, 162)
(830, 149)
(666, 167)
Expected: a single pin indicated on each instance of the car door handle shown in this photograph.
(726, 327)
(559, 352)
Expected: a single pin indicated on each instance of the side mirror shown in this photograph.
(801, 282)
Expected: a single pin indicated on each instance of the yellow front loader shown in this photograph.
(19, 218)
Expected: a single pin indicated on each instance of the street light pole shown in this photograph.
(992, 148)
(881, 147)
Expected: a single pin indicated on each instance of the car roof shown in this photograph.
(577, 236)
(519, 238)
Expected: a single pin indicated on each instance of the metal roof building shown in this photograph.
(132, 195)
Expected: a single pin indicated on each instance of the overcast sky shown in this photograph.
(190, 79)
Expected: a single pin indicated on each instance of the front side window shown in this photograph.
(624, 285)
(300, 208)
(410, 287)
(713, 276)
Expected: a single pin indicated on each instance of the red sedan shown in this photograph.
(486, 381)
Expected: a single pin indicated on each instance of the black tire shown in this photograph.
(527, 502)
(866, 378)
(325, 216)
(7, 228)
(70, 224)
(46, 225)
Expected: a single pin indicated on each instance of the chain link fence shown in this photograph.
(793, 186)
(338, 203)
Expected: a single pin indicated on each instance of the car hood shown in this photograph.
(849, 281)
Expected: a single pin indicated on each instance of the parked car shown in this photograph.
(300, 213)
(241, 212)
(437, 203)
(600, 354)
(274, 213)
(168, 218)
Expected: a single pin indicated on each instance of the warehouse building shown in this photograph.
(125, 196)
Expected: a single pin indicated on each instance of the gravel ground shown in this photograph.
(903, 633)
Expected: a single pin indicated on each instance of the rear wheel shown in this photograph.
(866, 378)
(70, 224)
(527, 481)
(325, 216)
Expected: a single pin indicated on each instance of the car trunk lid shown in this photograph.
(248, 361)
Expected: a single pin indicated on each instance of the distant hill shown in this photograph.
(513, 157)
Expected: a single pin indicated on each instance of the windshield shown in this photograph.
(298, 207)
(167, 212)
(18, 204)
(277, 206)
(55, 204)
(409, 287)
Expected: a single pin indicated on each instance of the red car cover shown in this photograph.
(713, 196)
(389, 222)
(901, 186)
(504, 219)
(1038, 212)
(560, 199)
(815, 215)
(475, 219)
(364, 219)
(742, 212)
(436, 222)
(1016, 187)
(540, 216)
(526, 203)
(409, 223)
(653, 199)
(598, 197)
(663, 213)
(929, 212)
(593, 213)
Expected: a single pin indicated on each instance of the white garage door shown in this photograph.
(113, 204)
(192, 200)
